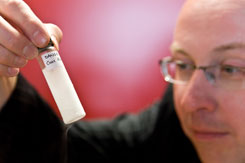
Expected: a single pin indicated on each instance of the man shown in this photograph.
(210, 105)
(207, 72)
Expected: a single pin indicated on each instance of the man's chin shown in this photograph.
(215, 153)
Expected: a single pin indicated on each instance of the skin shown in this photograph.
(211, 32)
(21, 32)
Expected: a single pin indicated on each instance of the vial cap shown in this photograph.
(46, 47)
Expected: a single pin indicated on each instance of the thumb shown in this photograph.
(55, 34)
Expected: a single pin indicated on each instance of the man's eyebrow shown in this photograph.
(176, 49)
(231, 46)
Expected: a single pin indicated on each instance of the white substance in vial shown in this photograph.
(63, 92)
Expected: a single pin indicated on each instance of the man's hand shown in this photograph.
(21, 32)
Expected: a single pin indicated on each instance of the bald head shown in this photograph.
(205, 10)
(212, 5)
(210, 23)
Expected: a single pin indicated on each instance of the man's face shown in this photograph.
(211, 32)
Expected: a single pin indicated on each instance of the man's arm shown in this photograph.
(115, 140)
(154, 135)
(29, 129)
(6, 88)
(126, 138)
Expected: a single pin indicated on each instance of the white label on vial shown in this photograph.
(51, 60)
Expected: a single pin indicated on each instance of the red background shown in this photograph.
(110, 49)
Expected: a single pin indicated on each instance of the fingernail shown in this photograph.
(40, 39)
(54, 40)
(19, 61)
(30, 51)
(13, 71)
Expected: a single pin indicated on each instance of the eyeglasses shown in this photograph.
(223, 75)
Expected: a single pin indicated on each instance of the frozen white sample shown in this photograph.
(62, 88)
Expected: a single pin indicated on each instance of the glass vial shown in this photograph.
(60, 84)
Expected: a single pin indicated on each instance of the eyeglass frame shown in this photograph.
(210, 76)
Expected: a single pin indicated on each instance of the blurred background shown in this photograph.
(111, 50)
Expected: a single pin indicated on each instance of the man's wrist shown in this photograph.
(7, 85)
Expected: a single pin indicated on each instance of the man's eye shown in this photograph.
(184, 66)
(230, 69)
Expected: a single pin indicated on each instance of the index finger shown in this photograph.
(19, 13)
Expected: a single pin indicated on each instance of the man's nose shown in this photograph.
(198, 94)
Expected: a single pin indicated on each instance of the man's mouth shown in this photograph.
(208, 135)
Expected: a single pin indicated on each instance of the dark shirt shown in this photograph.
(31, 132)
